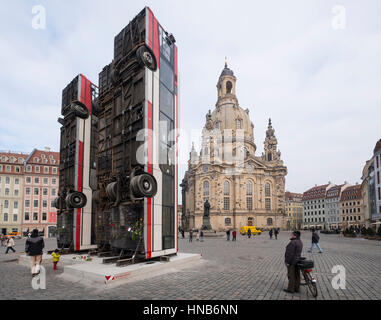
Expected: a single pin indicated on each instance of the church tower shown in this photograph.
(242, 188)
(271, 144)
(226, 88)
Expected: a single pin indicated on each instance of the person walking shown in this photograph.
(182, 233)
(190, 235)
(3, 242)
(198, 235)
(34, 248)
(249, 233)
(234, 235)
(315, 241)
(201, 236)
(228, 235)
(276, 231)
(10, 245)
(56, 258)
(271, 234)
(291, 257)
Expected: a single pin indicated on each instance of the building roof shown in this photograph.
(291, 196)
(351, 193)
(316, 192)
(334, 192)
(227, 71)
(6, 156)
(44, 157)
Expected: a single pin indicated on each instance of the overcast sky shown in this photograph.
(320, 85)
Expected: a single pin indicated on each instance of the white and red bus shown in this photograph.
(77, 174)
(137, 159)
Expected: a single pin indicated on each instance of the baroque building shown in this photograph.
(242, 188)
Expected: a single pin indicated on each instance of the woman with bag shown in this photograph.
(10, 245)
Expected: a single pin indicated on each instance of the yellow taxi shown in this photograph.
(254, 230)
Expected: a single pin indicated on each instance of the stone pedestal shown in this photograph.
(206, 223)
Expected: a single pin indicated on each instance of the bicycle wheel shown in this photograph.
(311, 285)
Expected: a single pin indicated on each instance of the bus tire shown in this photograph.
(76, 200)
(146, 57)
(144, 185)
(80, 110)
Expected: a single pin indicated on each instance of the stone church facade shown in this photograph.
(242, 188)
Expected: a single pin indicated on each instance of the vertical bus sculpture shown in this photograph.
(137, 142)
(77, 172)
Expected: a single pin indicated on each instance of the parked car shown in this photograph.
(243, 230)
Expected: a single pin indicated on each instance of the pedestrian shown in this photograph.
(291, 257)
(34, 248)
(10, 245)
(315, 241)
(56, 258)
(3, 242)
(201, 236)
(182, 233)
(234, 235)
(271, 233)
(276, 233)
(190, 235)
(228, 235)
(249, 233)
(198, 235)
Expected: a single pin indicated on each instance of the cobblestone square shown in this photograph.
(248, 269)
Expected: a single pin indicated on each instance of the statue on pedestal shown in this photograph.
(206, 218)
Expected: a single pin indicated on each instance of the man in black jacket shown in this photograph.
(293, 253)
(33, 247)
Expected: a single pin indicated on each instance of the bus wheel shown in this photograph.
(144, 185)
(76, 200)
(111, 191)
(80, 110)
(59, 203)
(146, 58)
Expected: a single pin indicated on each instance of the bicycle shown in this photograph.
(305, 267)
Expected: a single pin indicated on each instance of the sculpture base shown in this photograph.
(206, 223)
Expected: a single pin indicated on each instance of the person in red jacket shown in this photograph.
(234, 235)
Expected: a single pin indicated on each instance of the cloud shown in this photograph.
(320, 86)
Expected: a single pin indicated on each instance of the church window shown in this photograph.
(206, 188)
(249, 203)
(226, 188)
(269, 157)
(226, 203)
(228, 221)
(229, 87)
(249, 188)
(269, 221)
(268, 204)
(239, 124)
(267, 190)
(205, 169)
(217, 125)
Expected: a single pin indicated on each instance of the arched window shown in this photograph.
(249, 195)
(269, 221)
(239, 123)
(229, 87)
(249, 188)
(206, 188)
(267, 190)
(226, 195)
(226, 188)
(269, 157)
